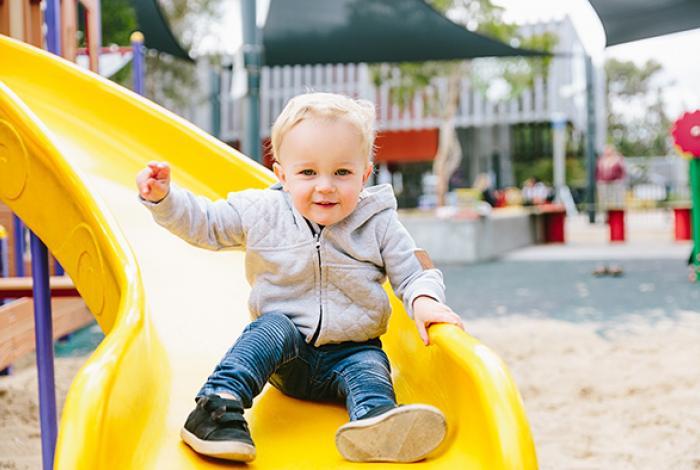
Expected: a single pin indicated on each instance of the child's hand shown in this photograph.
(154, 181)
(427, 311)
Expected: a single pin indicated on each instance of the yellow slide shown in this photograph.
(70, 146)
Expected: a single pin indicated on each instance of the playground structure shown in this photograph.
(23, 20)
(68, 170)
(686, 134)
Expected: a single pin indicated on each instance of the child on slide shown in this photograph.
(318, 247)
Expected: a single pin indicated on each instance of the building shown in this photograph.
(496, 135)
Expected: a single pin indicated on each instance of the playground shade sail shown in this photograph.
(157, 32)
(299, 32)
(70, 145)
(353, 31)
(631, 20)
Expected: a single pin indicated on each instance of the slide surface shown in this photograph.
(70, 146)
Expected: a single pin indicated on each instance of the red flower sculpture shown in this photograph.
(686, 133)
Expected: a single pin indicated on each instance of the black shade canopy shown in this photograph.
(631, 20)
(353, 31)
(346, 31)
(156, 30)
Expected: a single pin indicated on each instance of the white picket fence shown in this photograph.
(279, 84)
(547, 97)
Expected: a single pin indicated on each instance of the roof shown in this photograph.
(631, 20)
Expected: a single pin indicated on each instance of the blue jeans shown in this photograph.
(272, 348)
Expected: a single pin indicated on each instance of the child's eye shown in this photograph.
(343, 172)
(307, 172)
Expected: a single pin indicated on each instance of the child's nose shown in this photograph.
(324, 186)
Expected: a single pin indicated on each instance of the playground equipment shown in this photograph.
(616, 222)
(170, 310)
(686, 134)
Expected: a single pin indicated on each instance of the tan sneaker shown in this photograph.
(405, 433)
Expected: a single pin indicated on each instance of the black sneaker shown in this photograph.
(405, 433)
(217, 428)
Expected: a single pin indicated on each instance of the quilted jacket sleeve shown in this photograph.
(408, 276)
(213, 225)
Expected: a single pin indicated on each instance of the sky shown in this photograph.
(677, 53)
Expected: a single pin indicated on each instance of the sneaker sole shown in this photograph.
(405, 434)
(228, 450)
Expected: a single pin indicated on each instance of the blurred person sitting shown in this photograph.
(535, 192)
(482, 183)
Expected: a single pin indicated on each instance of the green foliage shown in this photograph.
(118, 22)
(637, 121)
(409, 79)
(482, 16)
(543, 169)
(168, 80)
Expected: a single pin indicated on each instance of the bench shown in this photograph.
(17, 325)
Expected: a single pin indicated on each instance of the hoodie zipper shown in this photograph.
(317, 333)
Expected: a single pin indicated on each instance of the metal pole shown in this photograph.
(52, 18)
(138, 68)
(4, 256)
(43, 329)
(215, 100)
(18, 227)
(252, 56)
(559, 151)
(590, 139)
(695, 191)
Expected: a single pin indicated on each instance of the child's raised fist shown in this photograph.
(154, 181)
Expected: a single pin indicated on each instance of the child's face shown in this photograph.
(323, 167)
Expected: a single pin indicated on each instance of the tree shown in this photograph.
(637, 121)
(410, 79)
(168, 80)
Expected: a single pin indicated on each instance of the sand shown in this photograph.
(20, 436)
(597, 397)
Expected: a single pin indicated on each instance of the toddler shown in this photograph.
(318, 248)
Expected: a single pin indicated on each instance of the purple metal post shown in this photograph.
(52, 18)
(18, 227)
(138, 68)
(4, 272)
(57, 268)
(43, 328)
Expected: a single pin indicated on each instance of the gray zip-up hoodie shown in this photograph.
(329, 279)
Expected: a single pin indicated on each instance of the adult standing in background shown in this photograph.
(610, 179)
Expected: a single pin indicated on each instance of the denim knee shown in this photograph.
(267, 342)
(280, 322)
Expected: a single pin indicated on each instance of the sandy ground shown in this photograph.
(627, 399)
(20, 436)
(612, 398)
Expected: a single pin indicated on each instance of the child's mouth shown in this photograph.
(326, 204)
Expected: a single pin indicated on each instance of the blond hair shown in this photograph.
(359, 113)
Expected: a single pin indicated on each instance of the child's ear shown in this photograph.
(279, 173)
(368, 171)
